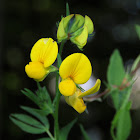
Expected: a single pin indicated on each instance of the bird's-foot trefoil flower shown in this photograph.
(43, 55)
(76, 100)
(76, 69)
(76, 28)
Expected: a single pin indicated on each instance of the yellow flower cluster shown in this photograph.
(75, 69)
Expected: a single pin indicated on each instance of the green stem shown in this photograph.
(50, 135)
(57, 98)
(61, 47)
(127, 97)
(38, 85)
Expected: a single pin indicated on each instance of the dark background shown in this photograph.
(23, 22)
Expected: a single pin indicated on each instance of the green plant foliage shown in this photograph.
(121, 123)
(38, 114)
(45, 99)
(116, 72)
(120, 93)
(67, 9)
(136, 63)
(119, 96)
(31, 96)
(41, 98)
(65, 130)
(84, 133)
(27, 123)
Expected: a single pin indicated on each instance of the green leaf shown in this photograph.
(137, 27)
(120, 97)
(45, 100)
(38, 114)
(67, 9)
(27, 119)
(31, 96)
(121, 124)
(43, 95)
(115, 72)
(42, 99)
(85, 135)
(39, 111)
(124, 125)
(136, 63)
(32, 127)
(65, 130)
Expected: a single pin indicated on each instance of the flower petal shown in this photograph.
(62, 28)
(61, 34)
(36, 71)
(93, 90)
(77, 67)
(89, 24)
(66, 21)
(45, 51)
(77, 23)
(67, 87)
(81, 39)
(75, 102)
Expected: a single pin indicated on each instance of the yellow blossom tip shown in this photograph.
(67, 87)
(93, 90)
(75, 102)
(36, 71)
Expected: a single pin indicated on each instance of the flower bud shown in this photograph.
(76, 28)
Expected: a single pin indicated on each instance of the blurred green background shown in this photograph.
(23, 22)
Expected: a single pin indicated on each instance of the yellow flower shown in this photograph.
(43, 55)
(76, 100)
(76, 69)
(76, 28)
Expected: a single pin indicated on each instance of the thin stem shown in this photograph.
(61, 48)
(56, 124)
(90, 99)
(50, 135)
(57, 98)
(38, 85)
